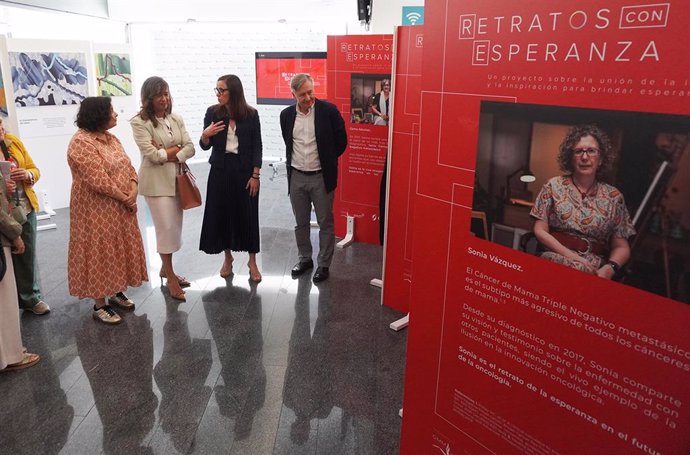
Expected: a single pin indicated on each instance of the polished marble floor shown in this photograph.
(282, 367)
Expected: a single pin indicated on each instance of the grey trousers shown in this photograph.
(306, 190)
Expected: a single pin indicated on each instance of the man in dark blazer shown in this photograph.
(314, 135)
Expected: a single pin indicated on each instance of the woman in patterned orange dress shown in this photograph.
(106, 253)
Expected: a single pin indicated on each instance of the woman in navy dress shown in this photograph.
(232, 131)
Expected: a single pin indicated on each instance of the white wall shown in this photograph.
(192, 56)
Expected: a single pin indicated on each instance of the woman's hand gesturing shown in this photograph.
(212, 130)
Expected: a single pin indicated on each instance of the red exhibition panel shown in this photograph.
(357, 65)
(402, 177)
(509, 353)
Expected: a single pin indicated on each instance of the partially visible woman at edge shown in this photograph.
(231, 217)
(380, 105)
(164, 143)
(25, 175)
(582, 221)
(12, 355)
(106, 254)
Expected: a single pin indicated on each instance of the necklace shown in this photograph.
(585, 192)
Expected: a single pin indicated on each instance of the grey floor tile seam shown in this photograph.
(83, 419)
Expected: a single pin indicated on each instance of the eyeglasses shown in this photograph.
(220, 91)
(588, 151)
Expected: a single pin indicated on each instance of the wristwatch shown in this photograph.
(615, 266)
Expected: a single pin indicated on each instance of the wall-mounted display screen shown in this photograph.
(275, 69)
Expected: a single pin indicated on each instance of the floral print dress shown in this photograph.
(597, 217)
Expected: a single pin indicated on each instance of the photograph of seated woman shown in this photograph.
(580, 220)
(380, 105)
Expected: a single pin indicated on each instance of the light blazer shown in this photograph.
(17, 150)
(331, 139)
(156, 173)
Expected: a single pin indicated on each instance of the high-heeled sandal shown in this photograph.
(254, 276)
(184, 282)
(225, 273)
(176, 291)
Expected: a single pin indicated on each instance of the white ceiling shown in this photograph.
(218, 10)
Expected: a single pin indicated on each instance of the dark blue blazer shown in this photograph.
(331, 138)
(248, 134)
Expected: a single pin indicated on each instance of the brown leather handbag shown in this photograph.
(190, 196)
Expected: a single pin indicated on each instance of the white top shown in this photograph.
(232, 144)
(305, 155)
(166, 123)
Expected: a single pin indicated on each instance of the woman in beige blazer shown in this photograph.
(164, 144)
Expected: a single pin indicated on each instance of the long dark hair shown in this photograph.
(94, 113)
(152, 87)
(236, 107)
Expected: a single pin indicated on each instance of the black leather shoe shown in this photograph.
(321, 274)
(302, 267)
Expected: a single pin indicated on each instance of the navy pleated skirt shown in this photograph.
(231, 216)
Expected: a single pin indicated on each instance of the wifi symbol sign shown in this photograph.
(413, 15)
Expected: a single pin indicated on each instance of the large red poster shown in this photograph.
(274, 70)
(359, 66)
(402, 176)
(509, 351)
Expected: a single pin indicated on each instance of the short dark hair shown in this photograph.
(94, 113)
(606, 153)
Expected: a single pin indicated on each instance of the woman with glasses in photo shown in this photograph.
(581, 221)
(164, 143)
(232, 131)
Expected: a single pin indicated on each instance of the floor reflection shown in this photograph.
(356, 373)
(118, 362)
(180, 376)
(234, 316)
(273, 364)
(308, 379)
(42, 402)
